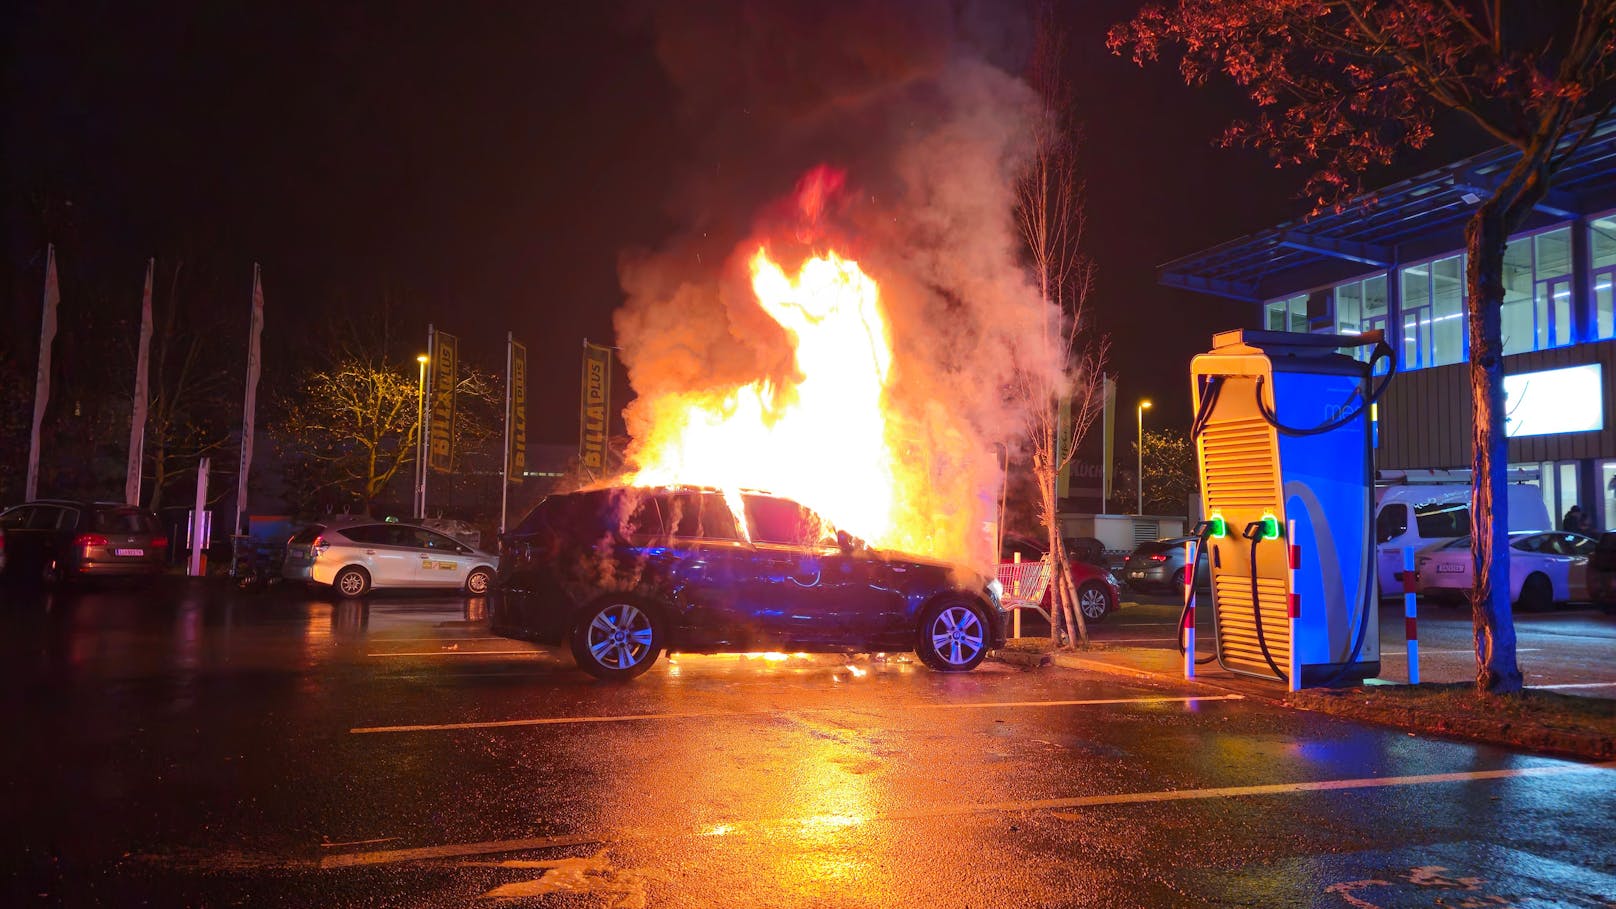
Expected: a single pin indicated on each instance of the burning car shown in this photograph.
(623, 573)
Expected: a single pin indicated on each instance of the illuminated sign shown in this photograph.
(1554, 400)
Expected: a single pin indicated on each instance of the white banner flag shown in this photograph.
(251, 403)
(47, 334)
(137, 412)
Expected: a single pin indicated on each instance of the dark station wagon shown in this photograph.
(53, 540)
(622, 574)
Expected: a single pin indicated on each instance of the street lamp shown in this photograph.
(1143, 406)
(420, 439)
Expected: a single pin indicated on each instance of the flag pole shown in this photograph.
(47, 335)
(249, 406)
(137, 409)
(426, 413)
(505, 462)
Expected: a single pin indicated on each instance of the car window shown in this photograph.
(307, 534)
(16, 518)
(1392, 522)
(1442, 519)
(643, 515)
(428, 539)
(1582, 545)
(695, 515)
(372, 534)
(1533, 543)
(44, 517)
(771, 520)
(122, 520)
(1014, 546)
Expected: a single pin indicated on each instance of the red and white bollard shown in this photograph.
(1411, 616)
(1294, 609)
(1189, 611)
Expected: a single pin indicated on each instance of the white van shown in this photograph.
(1418, 516)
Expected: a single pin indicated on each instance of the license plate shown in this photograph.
(129, 552)
(1450, 569)
(1136, 574)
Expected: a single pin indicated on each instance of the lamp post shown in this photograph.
(1143, 406)
(420, 439)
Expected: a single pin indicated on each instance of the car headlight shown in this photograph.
(996, 591)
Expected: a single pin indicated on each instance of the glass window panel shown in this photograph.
(1607, 489)
(1447, 311)
(1553, 253)
(1349, 308)
(1274, 316)
(1520, 328)
(1605, 304)
(1374, 296)
(1602, 241)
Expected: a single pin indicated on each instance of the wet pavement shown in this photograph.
(196, 745)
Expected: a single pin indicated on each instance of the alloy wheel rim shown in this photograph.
(620, 636)
(478, 582)
(1092, 604)
(351, 583)
(956, 635)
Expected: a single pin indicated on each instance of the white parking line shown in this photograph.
(685, 715)
(1059, 808)
(1578, 685)
(1390, 649)
(415, 653)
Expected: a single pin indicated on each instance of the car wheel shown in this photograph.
(1094, 601)
(351, 582)
(478, 581)
(1537, 594)
(953, 636)
(616, 639)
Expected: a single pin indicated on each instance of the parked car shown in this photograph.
(1544, 569)
(1097, 590)
(622, 574)
(1417, 517)
(1602, 573)
(1159, 567)
(357, 556)
(53, 540)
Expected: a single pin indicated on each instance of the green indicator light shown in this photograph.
(1220, 527)
(1270, 527)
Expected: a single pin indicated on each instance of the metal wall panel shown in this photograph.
(1425, 417)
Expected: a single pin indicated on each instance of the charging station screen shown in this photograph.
(1554, 401)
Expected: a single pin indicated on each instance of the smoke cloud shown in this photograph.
(920, 106)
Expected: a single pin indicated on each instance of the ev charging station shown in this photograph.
(1285, 440)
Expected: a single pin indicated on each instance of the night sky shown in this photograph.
(491, 162)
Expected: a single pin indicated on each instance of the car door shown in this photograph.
(810, 591)
(22, 545)
(440, 561)
(709, 565)
(382, 549)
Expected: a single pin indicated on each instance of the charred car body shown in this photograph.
(624, 573)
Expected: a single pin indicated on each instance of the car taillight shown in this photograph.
(159, 542)
(1158, 557)
(89, 539)
(318, 546)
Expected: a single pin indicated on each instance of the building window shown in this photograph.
(1537, 292)
(1289, 314)
(1602, 255)
(1607, 493)
(1433, 313)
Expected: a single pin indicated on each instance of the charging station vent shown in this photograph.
(1238, 644)
(1239, 464)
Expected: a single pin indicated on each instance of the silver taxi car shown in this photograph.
(356, 557)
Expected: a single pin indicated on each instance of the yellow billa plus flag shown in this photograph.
(518, 411)
(445, 376)
(594, 405)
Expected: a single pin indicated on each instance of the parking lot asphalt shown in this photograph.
(192, 744)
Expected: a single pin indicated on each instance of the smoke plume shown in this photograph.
(917, 107)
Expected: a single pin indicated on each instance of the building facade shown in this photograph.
(1394, 260)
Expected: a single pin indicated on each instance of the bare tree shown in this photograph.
(1069, 364)
(187, 416)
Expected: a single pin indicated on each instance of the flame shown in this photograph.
(821, 437)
